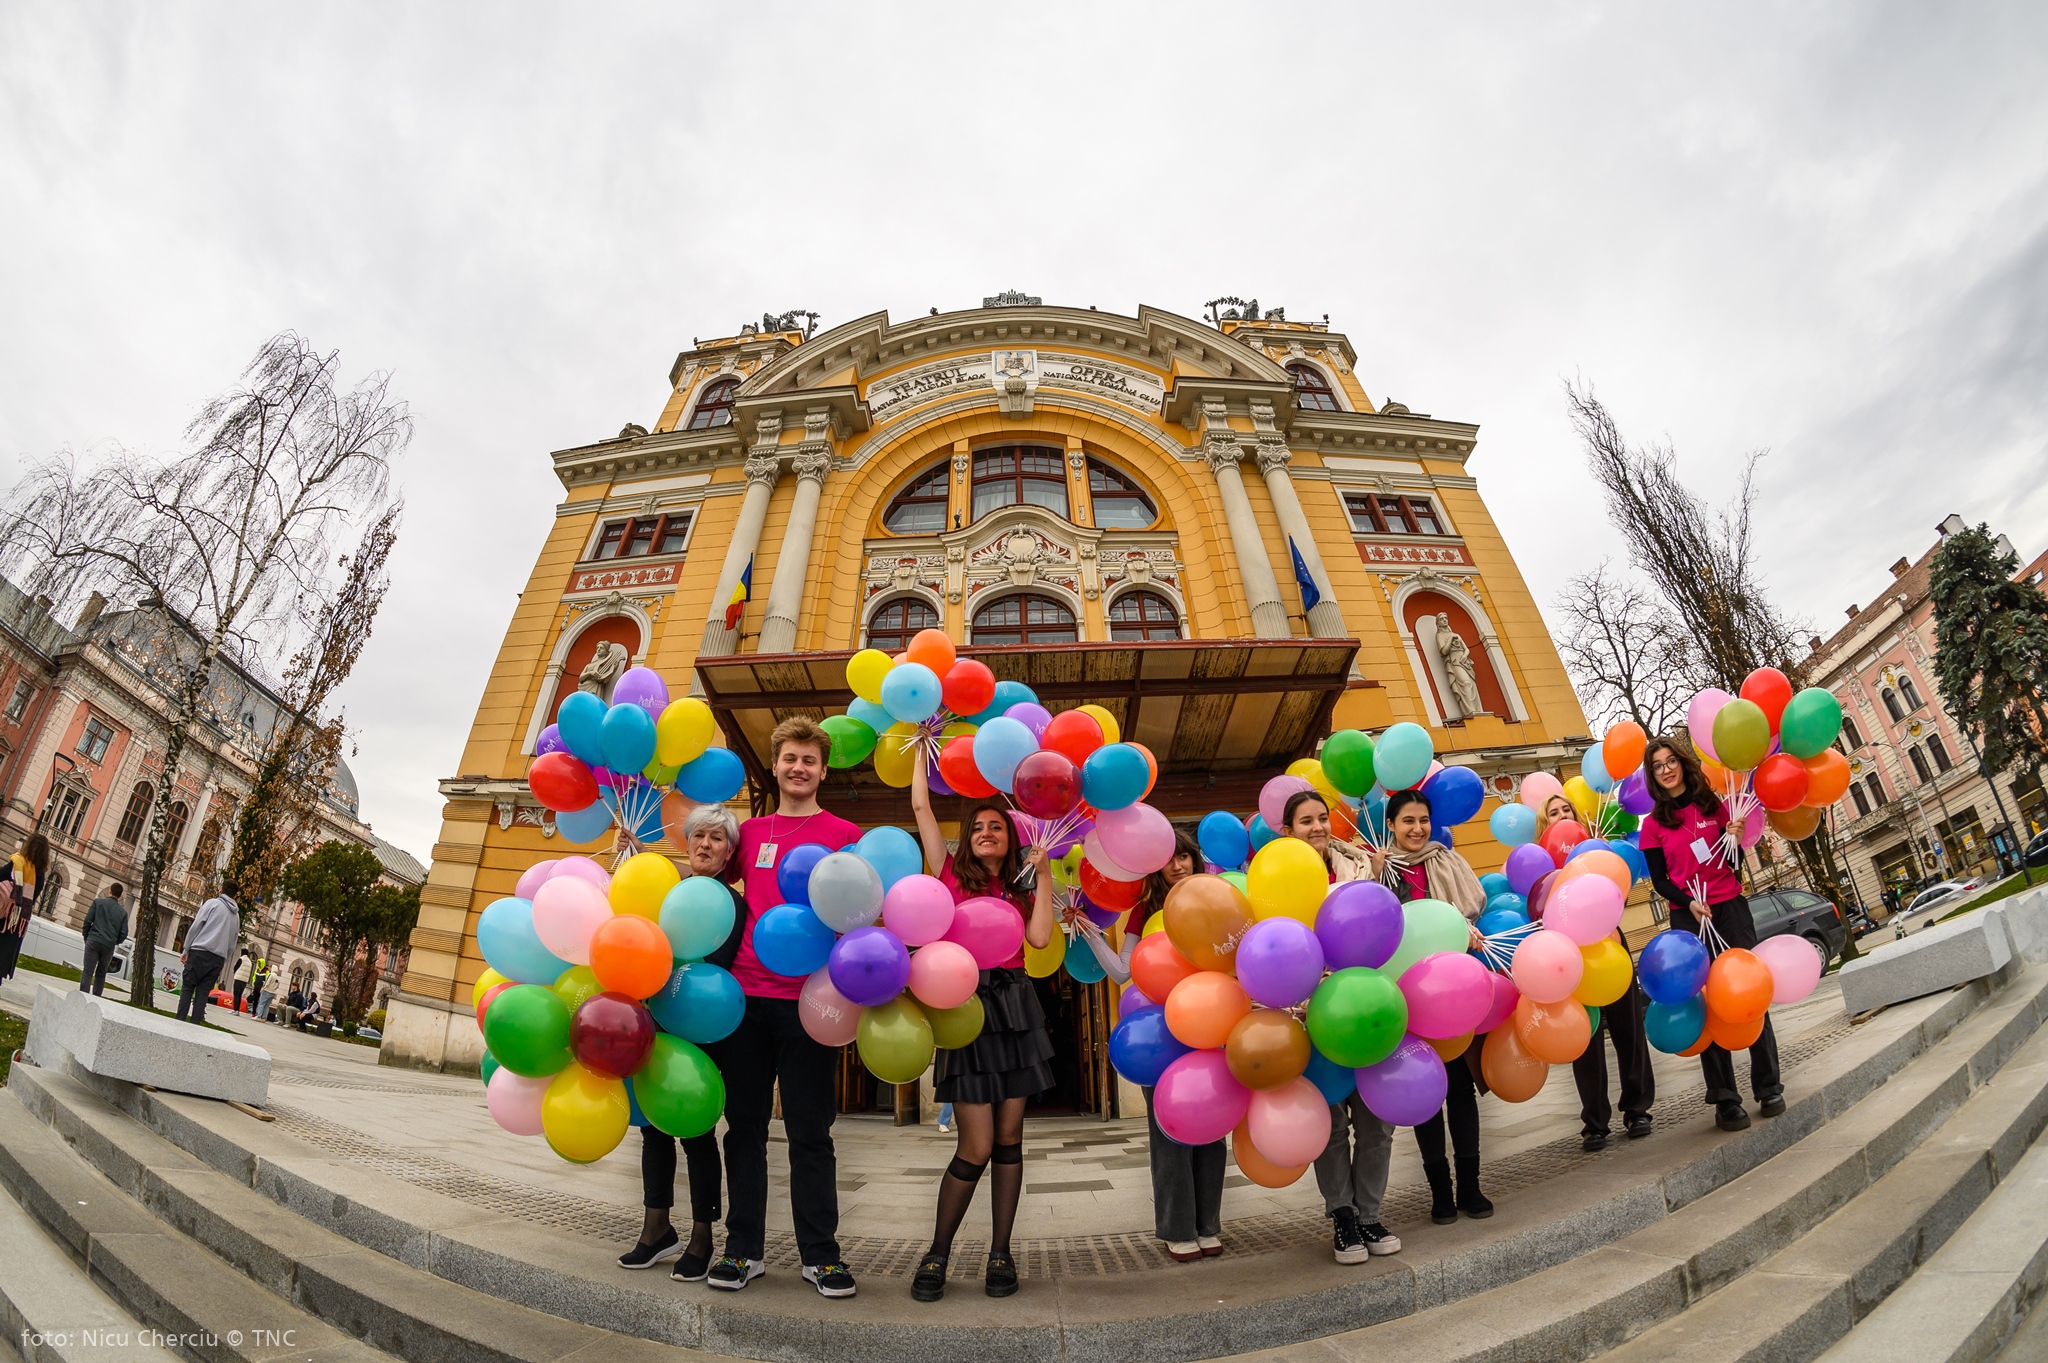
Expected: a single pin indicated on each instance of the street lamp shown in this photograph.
(1919, 807)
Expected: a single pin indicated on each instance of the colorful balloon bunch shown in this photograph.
(598, 1000)
(1707, 993)
(1771, 749)
(640, 761)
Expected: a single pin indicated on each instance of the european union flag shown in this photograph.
(1309, 595)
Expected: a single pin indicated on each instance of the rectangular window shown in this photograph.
(92, 744)
(17, 704)
(675, 533)
(608, 543)
(1425, 516)
(1862, 800)
(1939, 751)
(641, 540)
(1920, 767)
(1358, 507)
(69, 816)
(1392, 516)
(644, 535)
(1372, 514)
(1876, 789)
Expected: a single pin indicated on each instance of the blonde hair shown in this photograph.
(804, 730)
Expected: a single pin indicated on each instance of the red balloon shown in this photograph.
(1561, 837)
(1047, 784)
(1539, 896)
(1780, 782)
(562, 782)
(1156, 963)
(1771, 692)
(956, 764)
(1116, 895)
(1073, 733)
(483, 1005)
(968, 687)
(612, 1035)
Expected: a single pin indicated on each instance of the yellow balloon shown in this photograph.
(894, 751)
(575, 985)
(1040, 962)
(483, 984)
(1607, 973)
(1110, 732)
(656, 773)
(642, 883)
(1287, 879)
(683, 732)
(959, 728)
(1310, 770)
(864, 673)
(1584, 798)
(1156, 923)
(584, 1115)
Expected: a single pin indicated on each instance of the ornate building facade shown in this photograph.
(1210, 528)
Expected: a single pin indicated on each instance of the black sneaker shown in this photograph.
(1773, 1106)
(999, 1279)
(1729, 1116)
(1380, 1240)
(647, 1256)
(691, 1268)
(1638, 1126)
(930, 1282)
(1349, 1239)
(733, 1274)
(1594, 1140)
(831, 1280)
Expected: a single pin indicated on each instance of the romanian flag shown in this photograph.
(741, 594)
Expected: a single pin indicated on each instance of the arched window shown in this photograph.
(1876, 789)
(1025, 620)
(897, 623)
(1862, 801)
(1137, 616)
(137, 813)
(714, 405)
(1938, 750)
(1891, 704)
(1311, 390)
(1920, 767)
(1120, 504)
(919, 509)
(1852, 737)
(174, 828)
(1020, 475)
(1906, 688)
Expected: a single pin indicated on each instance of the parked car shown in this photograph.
(2037, 850)
(1941, 894)
(1804, 914)
(1860, 921)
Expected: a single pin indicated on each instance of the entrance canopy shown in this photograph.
(1221, 717)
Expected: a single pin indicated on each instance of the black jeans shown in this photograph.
(202, 968)
(92, 975)
(658, 1172)
(1732, 921)
(1461, 1105)
(771, 1046)
(1623, 1020)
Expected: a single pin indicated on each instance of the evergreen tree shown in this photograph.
(337, 883)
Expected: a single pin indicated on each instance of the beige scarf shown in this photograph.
(1448, 875)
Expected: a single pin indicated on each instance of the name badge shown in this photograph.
(1701, 852)
(765, 859)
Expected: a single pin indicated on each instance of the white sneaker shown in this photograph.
(1184, 1251)
(943, 1128)
(733, 1274)
(1211, 1246)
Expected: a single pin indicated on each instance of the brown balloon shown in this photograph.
(1795, 825)
(1514, 1075)
(1450, 1048)
(1206, 917)
(1256, 1166)
(1267, 1048)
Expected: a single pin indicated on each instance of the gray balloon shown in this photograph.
(846, 892)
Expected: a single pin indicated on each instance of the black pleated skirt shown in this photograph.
(1012, 1056)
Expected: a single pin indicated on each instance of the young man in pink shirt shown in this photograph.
(770, 1044)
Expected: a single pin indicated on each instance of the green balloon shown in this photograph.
(576, 984)
(1810, 722)
(527, 1028)
(1236, 878)
(852, 740)
(1618, 822)
(1347, 761)
(1592, 1018)
(489, 1067)
(1427, 927)
(895, 1040)
(1742, 735)
(1357, 1016)
(679, 1090)
(953, 1028)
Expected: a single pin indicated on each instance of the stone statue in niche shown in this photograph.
(605, 667)
(1458, 667)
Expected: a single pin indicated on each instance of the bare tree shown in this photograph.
(227, 539)
(1627, 656)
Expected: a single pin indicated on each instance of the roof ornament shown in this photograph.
(1010, 298)
(1241, 310)
(796, 319)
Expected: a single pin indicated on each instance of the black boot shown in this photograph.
(1443, 1204)
(1471, 1201)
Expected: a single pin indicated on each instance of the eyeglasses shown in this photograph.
(1665, 764)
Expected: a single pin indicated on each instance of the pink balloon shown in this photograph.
(583, 868)
(1273, 798)
(1138, 837)
(1505, 997)
(918, 909)
(1699, 718)
(1586, 909)
(1795, 966)
(1448, 995)
(1753, 831)
(1290, 1124)
(1537, 787)
(535, 877)
(566, 911)
(1547, 966)
(829, 1017)
(1198, 1100)
(514, 1100)
(991, 929)
(943, 974)
(1106, 865)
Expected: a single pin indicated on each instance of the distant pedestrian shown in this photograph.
(18, 880)
(310, 1012)
(106, 927)
(208, 943)
(266, 990)
(945, 1117)
(243, 969)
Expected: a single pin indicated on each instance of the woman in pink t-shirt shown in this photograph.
(988, 1080)
(1693, 850)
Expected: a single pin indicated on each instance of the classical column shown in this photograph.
(793, 560)
(762, 471)
(1269, 616)
(1325, 618)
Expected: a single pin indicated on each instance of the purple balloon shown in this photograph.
(1528, 864)
(550, 741)
(1032, 716)
(1359, 924)
(937, 779)
(1098, 915)
(641, 686)
(869, 966)
(1280, 961)
(1131, 1000)
(1634, 794)
(1408, 1087)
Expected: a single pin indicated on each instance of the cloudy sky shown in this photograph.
(1817, 229)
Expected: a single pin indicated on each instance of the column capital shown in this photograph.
(763, 468)
(1274, 455)
(811, 465)
(1219, 452)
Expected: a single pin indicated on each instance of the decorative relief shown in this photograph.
(1399, 551)
(901, 572)
(610, 579)
(1429, 579)
(812, 465)
(1220, 450)
(511, 815)
(1014, 376)
(1141, 568)
(614, 604)
(1273, 454)
(763, 468)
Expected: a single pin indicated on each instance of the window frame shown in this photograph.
(909, 498)
(1024, 628)
(622, 534)
(1922, 768)
(1892, 705)
(177, 819)
(140, 801)
(1909, 693)
(1861, 800)
(1852, 737)
(1132, 491)
(1876, 788)
(714, 402)
(1143, 630)
(1319, 395)
(70, 806)
(908, 630)
(1938, 750)
(1371, 505)
(1057, 477)
(94, 739)
(23, 697)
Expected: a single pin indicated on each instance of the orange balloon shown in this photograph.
(1827, 779)
(1795, 825)
(1699, 1047)
(1720, 780)
(675, 807)
(1738, 986)
(1732, 1036)
(1267, 1048)
(630, 955)
(932, 648)
(1207, 916)
(1555, 1033)
(1514, 1075)
(1151, 765)
(1157, 966)
(1621, 752)
(1598, 862)
(1450, 1049)
(1256, 1166)
(1204, 1007)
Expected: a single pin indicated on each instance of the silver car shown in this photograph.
(1942, 894)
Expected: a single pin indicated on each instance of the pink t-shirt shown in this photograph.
(1417, 877)
(1016, 899)
(1693, 849)
(764, 842)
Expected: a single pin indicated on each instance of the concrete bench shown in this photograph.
(116, 1041)
(1931, 960)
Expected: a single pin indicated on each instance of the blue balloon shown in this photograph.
(1401, 756)
(870, 714)
(713, 778)
(1008, 693)
(697, 916)
(1494, 921)
(1442, 835)
(1259, 833)
(1673, 967)
(583, 825)
(628, 734)
(1508, 899)
(789, 940)
(1589, 845)
(580, 721)
(634, 1116)
(1141, 1048)
(910, 692)
(1672, 1028)
(1115, 776)
(1513, 825)
(999, 746)
(1374, 808)
(1334, 1081)
(1593, 766)
(793, 875)
(892, 852)
(1455, 795)
(1493, 882)
(643, 804)
(1638, 864)
(1081, 963)
(701, 1003)
(1224, 840)
(505, 935)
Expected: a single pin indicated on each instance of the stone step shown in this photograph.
(50, 1310)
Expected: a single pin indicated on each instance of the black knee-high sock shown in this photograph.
(1008, 1187)
(956, 1194)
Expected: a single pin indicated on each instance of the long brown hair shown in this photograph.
(1695, 791)
(967, 868)
(36, 848)
(1156, 884)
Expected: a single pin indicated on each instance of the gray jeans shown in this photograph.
(1187, 1185)
(92, 975)
(1355, 1176)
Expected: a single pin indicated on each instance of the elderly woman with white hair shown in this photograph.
(710, 834)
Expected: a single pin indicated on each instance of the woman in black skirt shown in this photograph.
(988, 1080)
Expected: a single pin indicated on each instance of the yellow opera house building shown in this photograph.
(1209, 528)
